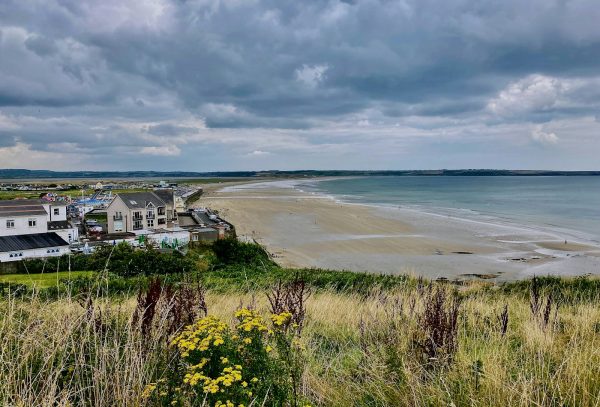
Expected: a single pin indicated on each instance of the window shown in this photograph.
(32, 223)
(137, 225)
(10, 223)
(150, 223)
(57, 211)
(161, 221)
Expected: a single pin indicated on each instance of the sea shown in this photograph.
(566, 205)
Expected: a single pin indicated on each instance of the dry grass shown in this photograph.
(360, 351)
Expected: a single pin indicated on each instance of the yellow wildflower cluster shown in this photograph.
(281, 319)
(250, 321)
(201, 335)
(148, 390)
(227, 404)
(229, 376)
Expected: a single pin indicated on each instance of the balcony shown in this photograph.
(138, 216)
(150, 215)
(117, 217)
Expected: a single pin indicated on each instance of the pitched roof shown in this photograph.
(166, 195)
(139, 200)
(28, 242)
(21, 207)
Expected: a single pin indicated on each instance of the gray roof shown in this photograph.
(28, 242)
(139, 200)
(166, 195)
(21, 207)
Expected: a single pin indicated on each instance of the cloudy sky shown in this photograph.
(206, 85)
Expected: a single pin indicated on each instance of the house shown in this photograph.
(138, 211)
(30, 228)
(21, 217)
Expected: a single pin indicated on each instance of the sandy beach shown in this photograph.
(302, 229)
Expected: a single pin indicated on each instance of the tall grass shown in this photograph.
(361, 349)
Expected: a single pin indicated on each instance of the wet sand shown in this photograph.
(306, 230)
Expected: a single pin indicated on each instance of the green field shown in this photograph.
(43, 280)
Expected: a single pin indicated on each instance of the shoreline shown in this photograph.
(307, 229)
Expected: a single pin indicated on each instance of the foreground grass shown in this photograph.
(42, 280)
(361, 349)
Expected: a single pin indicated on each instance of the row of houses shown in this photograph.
(33, 228)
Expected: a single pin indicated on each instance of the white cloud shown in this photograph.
(538, 135)
(165, 151)
(311, 76)
(530, 94)
(258, 153)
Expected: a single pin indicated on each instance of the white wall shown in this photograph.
(182, 236)
(69, 235)
(51, 209)
(35, 253)
(22, 225)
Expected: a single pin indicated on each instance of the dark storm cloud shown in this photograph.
(125, 73)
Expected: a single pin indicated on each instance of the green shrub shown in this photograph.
(126, 261)
(223, 366)
(232, 251)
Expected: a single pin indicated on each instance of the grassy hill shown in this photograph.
(344, 339)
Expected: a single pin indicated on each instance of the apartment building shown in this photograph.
(137, 211)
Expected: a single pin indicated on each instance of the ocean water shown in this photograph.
(569, 205)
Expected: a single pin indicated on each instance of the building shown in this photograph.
(36, 245)
(168, 197)
(21, 217)
(204, 225)
(139, 211)
(30, 228)
(58, 221)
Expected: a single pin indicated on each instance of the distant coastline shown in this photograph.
(12, 173)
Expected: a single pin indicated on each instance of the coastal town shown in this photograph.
(49, 220)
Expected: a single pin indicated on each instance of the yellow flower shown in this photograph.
(281, 319)
(268, 348)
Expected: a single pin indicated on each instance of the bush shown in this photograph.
(221, 366)
(232, 251)
(74, 262)
(125, 261)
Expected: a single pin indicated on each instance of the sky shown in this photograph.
(215, 85)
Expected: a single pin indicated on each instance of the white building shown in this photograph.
(22, 217)
(30, 228)
(14, 248)
(57, 221)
